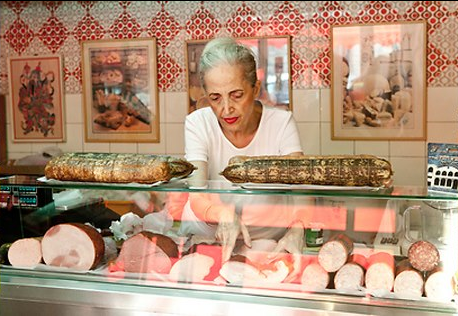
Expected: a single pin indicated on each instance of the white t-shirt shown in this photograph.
(204, 140)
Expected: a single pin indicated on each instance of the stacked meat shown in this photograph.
(72, 245)
(81, 247)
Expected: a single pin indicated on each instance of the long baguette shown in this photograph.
(116, 168)
(339, 170)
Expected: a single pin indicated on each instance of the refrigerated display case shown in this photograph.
(373, 220)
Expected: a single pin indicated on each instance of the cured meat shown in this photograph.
(343, 170)
(359, 259)
(380, 272)
(439, 285)
(73, 245)
(147, 252)
(191, 268)
(239, 270)
(277, 271)
(25, 252)
(4, 253)
(423, 255)
(259, 251)
(314, 277)
(408, 282)
(213, 251)
(349, 277)
(334, 253)
(116, 168)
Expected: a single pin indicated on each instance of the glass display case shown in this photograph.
(361, 250)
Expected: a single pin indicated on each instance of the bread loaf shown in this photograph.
(343, 170)
(116, 168)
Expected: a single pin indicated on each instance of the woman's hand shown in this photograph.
(292, 242)
(229, 228)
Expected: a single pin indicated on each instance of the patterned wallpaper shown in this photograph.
(57, 27)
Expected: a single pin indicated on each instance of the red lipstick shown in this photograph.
(231, 120)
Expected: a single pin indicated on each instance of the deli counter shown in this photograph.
(376, 251)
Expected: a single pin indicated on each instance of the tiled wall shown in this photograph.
(55, 27)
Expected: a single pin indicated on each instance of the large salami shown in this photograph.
(335, 252)
(423, 256)
(409, 281)
(343, 170)
(73, 245)
(351, 275)
(116, 168)
(380, 272)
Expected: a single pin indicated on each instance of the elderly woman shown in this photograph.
(235, 123)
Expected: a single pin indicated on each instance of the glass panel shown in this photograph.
(319, 244)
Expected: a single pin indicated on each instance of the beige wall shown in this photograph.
(311, 101)
(312, 112)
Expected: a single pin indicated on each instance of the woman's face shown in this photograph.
(231, 96)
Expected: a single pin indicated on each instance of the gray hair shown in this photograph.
(226, 50)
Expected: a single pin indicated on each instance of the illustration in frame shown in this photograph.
(379, 82)
(120, 90)
(36, 98)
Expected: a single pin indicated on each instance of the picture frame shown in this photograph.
(273, 57)
(378, 85)
(120, 90)
(36, 98)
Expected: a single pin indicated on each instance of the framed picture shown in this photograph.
(36, 98)
(3, 152)
(120, 90)
(273, 63)
(379, 82)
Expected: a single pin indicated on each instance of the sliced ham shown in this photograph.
(25, 252)
(408, 281)
(73, 245)
(191, 268)
(238, 270)
(213, 251)
(276, 272)
(147, 252)
(334, 253)
(259, 251)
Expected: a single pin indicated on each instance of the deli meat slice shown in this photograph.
(25, 252)
(239, 270)
(334, 253)
(191, 268)
(423, 256)
(409, 281)
(73, 245)
(147, 252)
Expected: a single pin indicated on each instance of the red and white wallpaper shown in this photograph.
(58, 27)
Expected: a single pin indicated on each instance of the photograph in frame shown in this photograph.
(273, 70)
(36, 98)
(120, 90)
(378, 82)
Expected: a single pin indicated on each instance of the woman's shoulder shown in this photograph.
(200, 114)
(276, 112)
